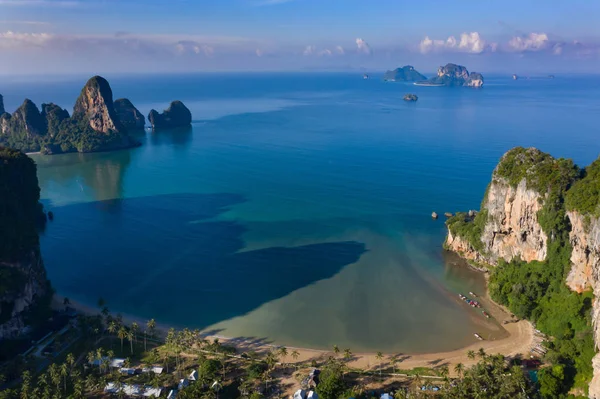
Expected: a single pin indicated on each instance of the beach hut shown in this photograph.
(172, 394)
(184, 383)
(312, 395)
(300, 394)
(193, 376)
(117, 363)
(127, 370)
(386, 396)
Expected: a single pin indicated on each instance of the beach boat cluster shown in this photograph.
(473, 303)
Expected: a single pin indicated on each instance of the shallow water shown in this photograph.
(297, 208)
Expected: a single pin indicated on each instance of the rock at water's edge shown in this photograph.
(177, 115)
(129, 116)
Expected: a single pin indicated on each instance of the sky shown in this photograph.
(146, 36)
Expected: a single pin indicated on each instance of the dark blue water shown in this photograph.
(297, 207)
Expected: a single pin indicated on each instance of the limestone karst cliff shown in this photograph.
(23, 281)
(455, 75)
(95, 106)
(129, 116)
(406, 73)
(94, 125)
(177, 115)
(540, 224)
(2, 105)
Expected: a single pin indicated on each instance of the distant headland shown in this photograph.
(97, 123)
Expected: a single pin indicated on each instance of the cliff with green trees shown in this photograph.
(405, 74)
(94, 125)
(538, 233)
(23, 282)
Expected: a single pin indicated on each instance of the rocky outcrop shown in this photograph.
(27, 121)
(2, 111)
(23, 283)
(507, 226)
(405, 74)
(128, 115)
(512, 229)
(410, 97)
(455, 75)
(95, 107)
(53, 116)
(177, 115)
(94, 125)
(475, 80)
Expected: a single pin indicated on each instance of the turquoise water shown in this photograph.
(297, 208)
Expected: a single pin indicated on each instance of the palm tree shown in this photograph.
(459, 368)
(471, 354)
(379, 356)
(64, 372)
(122, 334)
(216, 386)
(295, 356)
(283, 352)
(481, 353)
(112, 329)
(101, 302)
(347, 355)
(135, 328)
(151, 325)
(130, 338)
(66, 302)
(55, 375)
(336, 350)
(25, 385)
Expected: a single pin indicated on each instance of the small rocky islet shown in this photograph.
(451, 75)
(97, 123)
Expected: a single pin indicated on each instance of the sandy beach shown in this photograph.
(518, 340)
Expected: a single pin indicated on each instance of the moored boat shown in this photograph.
(478, 336)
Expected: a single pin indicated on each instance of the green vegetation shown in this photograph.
(537, 290)
(543, 172)
(20, 210)
(405, 74)
(490, 378)
(584, 196)
(469, 229)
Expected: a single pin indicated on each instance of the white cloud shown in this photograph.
(258, 52)
(308, 50)
(531, 42)
(326, 52)
(467, 43)
(340, 50)
(363, 47)
(12, 39)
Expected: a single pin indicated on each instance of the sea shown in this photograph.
(297, 208)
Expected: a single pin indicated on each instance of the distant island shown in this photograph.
(97, 123)
(405, 74)
(453, 75)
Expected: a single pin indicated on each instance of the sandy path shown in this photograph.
(520, 340)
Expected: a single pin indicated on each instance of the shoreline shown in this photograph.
(519, 340)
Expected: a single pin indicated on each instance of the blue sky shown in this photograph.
(89, 36)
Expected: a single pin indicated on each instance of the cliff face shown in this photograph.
(456, 75)
(534, 203)
(23, 279)
(512, 229)
(53, 116)
(177, 115)
(128, 115)
(27, 120)
(2, 105)
(405, 74)
(95, 106)
(507, 226)
(475, 80)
